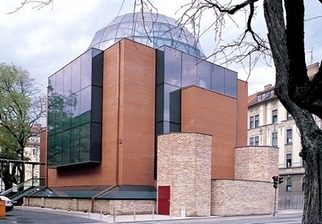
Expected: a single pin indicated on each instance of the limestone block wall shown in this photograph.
(256, 163)
(184, 164)
(241, 197)
(122, 207)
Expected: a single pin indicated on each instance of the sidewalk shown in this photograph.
(109, 218)
(101, 218)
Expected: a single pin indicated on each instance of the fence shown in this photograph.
(291, 202)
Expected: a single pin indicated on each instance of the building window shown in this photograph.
(256, 121)
(259, 98)
(288, 184)
(289, 160)
(303, 183)
(274, 138)
(288, 116)
(274, 116)
(251, 141)
(256, 140)
(289, 136)
(251, 122)
(35, 152)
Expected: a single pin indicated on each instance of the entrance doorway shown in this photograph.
(164, 200)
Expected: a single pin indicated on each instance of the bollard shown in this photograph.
(152, 212)
(113, 214)
(101, 214)
(183, 211)
(134, 214)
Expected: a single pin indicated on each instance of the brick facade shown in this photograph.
(122, 207)
(184, 164)
(241, 197)
(256, 163)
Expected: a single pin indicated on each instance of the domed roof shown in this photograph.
(151, 29)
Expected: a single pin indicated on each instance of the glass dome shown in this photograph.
(151, 29)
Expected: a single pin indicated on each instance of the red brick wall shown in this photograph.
(128, 122)
(212, 113)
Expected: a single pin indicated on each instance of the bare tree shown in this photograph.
(301, 96)
(34, 3)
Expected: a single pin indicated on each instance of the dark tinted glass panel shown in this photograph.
(159, 102)
(86, 69)
(66, 147)
(74, 145)
(76, 75)
(167, 90)
(204, 70)
(97, 70)
(96, 142)
(218, 79)
(84, 143)
(51, 150)
(230, 83)
(160, 67)
(70, 142)
(67, 80)
(58, 110)
(85, 107)
(172, 68)
(188, 70)
(75, 110)
(96, 108)
(51, 85)
(175, 106)
(175, 127)
(159, 128)
(66, 116)
(58, 149)
(59, 82)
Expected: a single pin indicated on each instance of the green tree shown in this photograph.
(21, 107)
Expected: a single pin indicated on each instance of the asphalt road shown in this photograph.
(22, 215)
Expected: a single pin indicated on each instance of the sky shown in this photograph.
(43, 41)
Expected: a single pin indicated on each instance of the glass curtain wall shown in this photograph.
(175, 70)
(75, 111)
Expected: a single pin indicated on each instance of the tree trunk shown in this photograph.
(311, 135)
(7, 178)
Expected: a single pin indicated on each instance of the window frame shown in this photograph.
(274, 116)
(274, 138)
(288, 160)
(256, 141)
(256, 121)
(288, 184)
(251, 122)
(289, 136)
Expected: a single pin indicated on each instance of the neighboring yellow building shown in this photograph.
(269, 123)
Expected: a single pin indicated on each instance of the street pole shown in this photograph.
(274, 203)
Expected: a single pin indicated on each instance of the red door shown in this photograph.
(164, 200)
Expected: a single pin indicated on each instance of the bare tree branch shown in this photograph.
(36, 4)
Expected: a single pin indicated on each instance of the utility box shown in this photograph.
(2, 209)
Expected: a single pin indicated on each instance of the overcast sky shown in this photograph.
(43, 41)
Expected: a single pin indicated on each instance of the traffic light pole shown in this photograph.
(275, 203)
